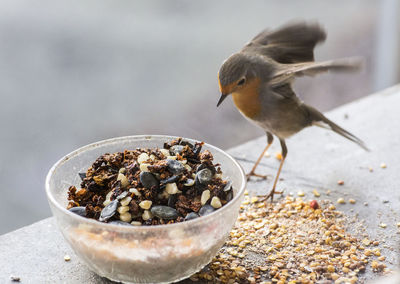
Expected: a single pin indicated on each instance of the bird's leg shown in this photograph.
(252, 172)
(284, 153)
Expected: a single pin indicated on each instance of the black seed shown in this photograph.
(148, 180)
(164, 212)
(122, 195)
(120, 223)
(176, 149)
(204, 176)
(169, 180)
(228, 186)
(82, 175)
(205, 166)
(108, 211)
(80, 210)
(191, 215)
(175, 167)
(229, 195)
(201, 167)
(172, 200)
(206, 209)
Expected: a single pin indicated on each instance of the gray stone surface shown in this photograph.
(317, 159)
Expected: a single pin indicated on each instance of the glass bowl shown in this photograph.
(143, 254)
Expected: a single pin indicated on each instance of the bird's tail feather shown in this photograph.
(317, 118)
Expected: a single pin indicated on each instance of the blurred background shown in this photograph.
(75, 72)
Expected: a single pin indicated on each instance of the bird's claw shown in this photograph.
(270, 195)
(250, 174)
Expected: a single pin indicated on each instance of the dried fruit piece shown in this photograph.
(314, 204)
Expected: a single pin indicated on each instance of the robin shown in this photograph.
(260, 77)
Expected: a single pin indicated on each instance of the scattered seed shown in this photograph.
(314, 204)
(316, 193)
(254, 199)
(278, 156)
(340, 182)
(285, 232)
(301, 193)
(15, 278)
(382, 225)
(67, 257)
(341, 201)
(383, 165)
(136, 223)
(352, 201)
(366, 242)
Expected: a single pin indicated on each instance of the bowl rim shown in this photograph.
(203, 219)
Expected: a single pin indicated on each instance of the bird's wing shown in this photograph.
(284, 90)
(287, 72)
(292, 43)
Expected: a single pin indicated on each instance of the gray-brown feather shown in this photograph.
(292, 43)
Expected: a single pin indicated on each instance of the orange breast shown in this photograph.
(247, 99)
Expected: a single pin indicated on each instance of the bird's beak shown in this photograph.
(221, 99)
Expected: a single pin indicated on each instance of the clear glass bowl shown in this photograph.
(146, 254)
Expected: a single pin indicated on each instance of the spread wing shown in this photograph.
(286, 72)
(292, 43)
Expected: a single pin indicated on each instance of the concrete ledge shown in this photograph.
(317, 159)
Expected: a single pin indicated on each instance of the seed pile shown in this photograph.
(151, 186)
(291, 241)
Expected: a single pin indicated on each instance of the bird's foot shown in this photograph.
(250, 174)
(270, 195)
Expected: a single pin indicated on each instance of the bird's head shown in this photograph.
(238, 71)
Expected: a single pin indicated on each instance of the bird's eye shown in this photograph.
(241, 82)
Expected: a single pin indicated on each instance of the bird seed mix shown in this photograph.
(292, 241)
(151, 186)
